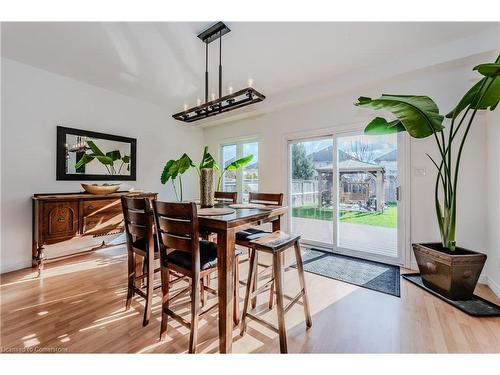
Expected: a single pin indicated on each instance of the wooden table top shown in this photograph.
(240, 216)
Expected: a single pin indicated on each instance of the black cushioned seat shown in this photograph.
(250, 234)
(208, 256)
(141, 244)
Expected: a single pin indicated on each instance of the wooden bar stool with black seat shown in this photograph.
(276, 244)
(244, 237)
(138, 220)
(226, 197)
(182, 251)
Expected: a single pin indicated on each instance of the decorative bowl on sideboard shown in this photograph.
(100, 189)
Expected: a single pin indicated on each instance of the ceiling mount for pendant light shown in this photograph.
(222, 104)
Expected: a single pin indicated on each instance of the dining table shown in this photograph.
(226, 226)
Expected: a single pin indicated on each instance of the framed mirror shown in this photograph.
(87, 155)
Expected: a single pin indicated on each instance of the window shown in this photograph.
(246, 179)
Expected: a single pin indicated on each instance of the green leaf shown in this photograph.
(208, 160)
(418, 114)
(487, 89)
(86, 158)
(239, 163)
(166, 175)
(126, 159)
(95, 149)
(104, 159)
(380, 126)
(115, 155)
(489, 69)
(184, 163)
(477, 97)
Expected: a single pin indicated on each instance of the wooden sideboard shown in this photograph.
(60, 217)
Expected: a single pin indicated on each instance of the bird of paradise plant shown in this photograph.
(420, 117)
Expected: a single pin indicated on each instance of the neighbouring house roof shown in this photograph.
(390, 156)
(326, 154)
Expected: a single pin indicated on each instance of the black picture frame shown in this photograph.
(61, 174)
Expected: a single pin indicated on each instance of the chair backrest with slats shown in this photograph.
(271, 199)
(138, 221)
(177, 228)
(226, 196)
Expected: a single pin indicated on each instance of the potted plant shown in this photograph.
(450, 270)
(174, 169)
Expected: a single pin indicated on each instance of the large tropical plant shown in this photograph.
(107, 159)
(208, 161)
(420, 117)
(173, 170)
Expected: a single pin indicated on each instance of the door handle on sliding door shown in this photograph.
(398, 193)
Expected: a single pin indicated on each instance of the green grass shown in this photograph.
(387, 219)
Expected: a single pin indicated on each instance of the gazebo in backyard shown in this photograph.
(352, 189)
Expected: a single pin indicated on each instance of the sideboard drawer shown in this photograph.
(101, 206)
(103, 224)
(60, 220)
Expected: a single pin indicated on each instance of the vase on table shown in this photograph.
(207, 192)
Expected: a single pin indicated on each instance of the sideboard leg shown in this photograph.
(40, 259)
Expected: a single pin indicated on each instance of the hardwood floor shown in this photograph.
(79, 306)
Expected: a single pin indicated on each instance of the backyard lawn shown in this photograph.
(387, 219)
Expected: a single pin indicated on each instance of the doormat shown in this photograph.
(368, 274)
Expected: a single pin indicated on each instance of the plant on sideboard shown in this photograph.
(419, 116)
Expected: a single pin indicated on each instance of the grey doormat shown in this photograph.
(365, 273)
(476, 306)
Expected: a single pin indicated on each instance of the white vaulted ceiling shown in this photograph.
(163, 63)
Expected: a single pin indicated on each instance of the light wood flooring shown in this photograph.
(79, 306)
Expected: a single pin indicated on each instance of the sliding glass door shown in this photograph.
(345, 194)
(311, 190)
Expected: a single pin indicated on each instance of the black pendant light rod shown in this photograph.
(220, 64)
(206, 72)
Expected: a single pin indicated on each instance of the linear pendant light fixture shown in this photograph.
(223, 104)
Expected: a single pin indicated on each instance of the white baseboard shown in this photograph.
(495, 288)
(15, 267)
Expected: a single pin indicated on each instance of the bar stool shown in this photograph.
(244, 237)
(276, 244)
(141, 249)
(182, 252)
(224, 197)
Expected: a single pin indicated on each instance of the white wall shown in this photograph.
(493, 186)
(444, 83)
(34, 102)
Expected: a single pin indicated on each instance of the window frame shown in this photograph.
(238, 142)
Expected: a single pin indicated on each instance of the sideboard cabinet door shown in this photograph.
(59, 220)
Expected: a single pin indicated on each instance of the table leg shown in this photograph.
(225, 281)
